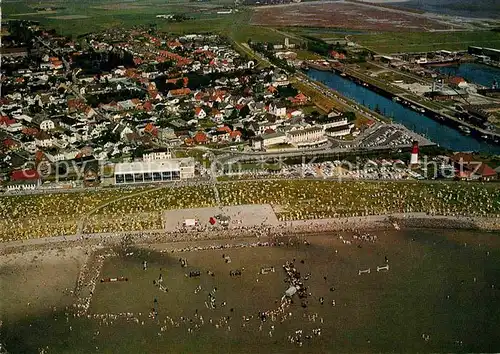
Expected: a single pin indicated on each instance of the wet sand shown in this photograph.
(36, 282)
(441, 293)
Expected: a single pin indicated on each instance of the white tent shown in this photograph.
(190, 222)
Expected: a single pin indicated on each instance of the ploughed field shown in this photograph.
(344, 15)
(440, 294)
(36, 216)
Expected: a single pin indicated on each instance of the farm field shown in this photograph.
(343, 15)
(83, 17)
(73, 18)
(427, 41)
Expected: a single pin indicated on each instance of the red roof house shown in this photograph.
(24, 175)
(200, 138)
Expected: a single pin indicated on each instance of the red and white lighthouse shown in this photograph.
(414, 154)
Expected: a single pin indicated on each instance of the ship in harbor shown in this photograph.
(438, 62)
(464, 129)
(320, 65)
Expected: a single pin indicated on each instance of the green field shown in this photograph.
(73, 18)
(427, 41)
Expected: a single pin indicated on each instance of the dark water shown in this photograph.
(440, 134)
(476, 73)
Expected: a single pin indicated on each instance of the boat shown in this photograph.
(464, 129)
(396, 99)
(365, 84)
(485, 136)
(441, 62)
(421, 110)
(343, 74)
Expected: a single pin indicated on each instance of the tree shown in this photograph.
(234, 114)
(138, 152)
(244, 111)
(351, 116)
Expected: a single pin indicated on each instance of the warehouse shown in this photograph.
(154, 171)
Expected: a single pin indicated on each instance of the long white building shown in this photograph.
(154, 171)
(306, 137)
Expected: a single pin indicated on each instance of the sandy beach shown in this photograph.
(73, 282)
(441, 275)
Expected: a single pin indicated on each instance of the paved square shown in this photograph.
(239, 216)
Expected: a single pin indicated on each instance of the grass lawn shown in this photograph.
(427, 41)
(307, 55)
(323, 103)
(76, 18)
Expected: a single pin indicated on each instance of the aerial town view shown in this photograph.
(241, 176)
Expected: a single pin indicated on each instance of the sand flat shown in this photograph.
(36, 281)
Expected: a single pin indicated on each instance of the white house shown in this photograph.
(200, 113)
(218, 117)
(340, 130)
(122, 130)
(280, 79)
(44, 140)
(47, 125)
(160, 155)
(265, 140)
(13, 128)
(23, 185)
(277, 109)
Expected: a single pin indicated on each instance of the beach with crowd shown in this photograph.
(239, 273)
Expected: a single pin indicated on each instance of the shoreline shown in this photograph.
(306, 227)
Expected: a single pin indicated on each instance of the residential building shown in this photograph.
(23, 180)
(47, 125)
(159, 155)
(277, 109)
(307, 136)
(44, 140)
(200, 113)
(468, 167)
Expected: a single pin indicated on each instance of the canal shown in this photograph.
(472, 72)
(440, 134)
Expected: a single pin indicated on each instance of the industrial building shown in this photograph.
(154, 171)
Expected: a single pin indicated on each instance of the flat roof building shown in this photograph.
(154, 171)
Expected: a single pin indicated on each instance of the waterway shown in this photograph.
(438, 133)
(472, 72)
